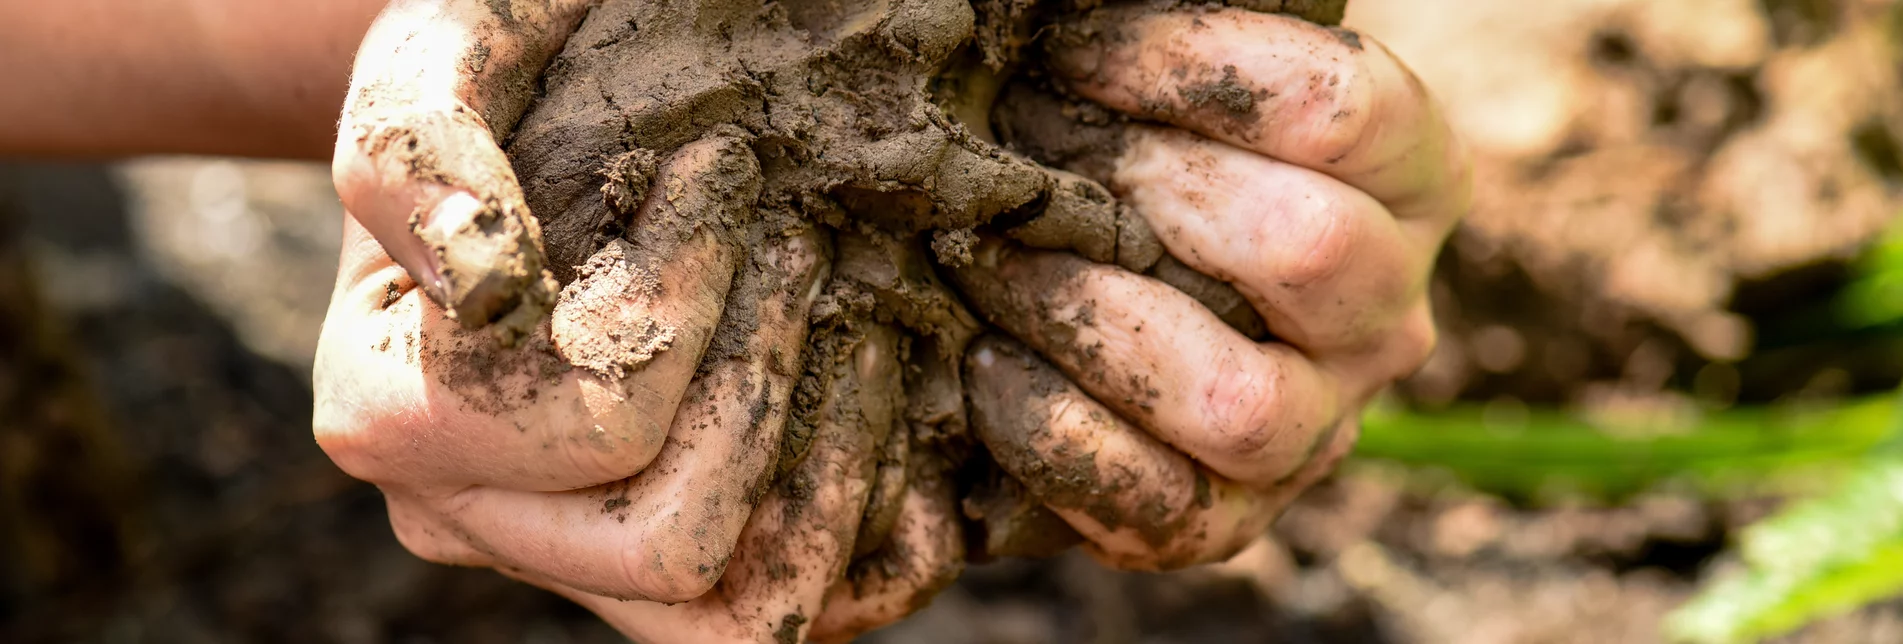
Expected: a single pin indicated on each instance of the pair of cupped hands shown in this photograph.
(637, 494)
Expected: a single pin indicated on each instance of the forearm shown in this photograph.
(98, 78)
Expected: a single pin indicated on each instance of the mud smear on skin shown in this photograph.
(491, 268)
(1154, 492)
(1085, 140)
(891, 126)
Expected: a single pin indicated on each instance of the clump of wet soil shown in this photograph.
(870, 121)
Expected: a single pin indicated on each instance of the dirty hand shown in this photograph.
(618, 449)
(1307, 168)
(800, 571)
(512, 458)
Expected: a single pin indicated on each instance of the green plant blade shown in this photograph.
(1546, 447)
(1818, 558)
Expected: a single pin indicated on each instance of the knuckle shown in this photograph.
(1320, 248)
(671, 567)
(419, 541)
(1244, 402)
(348, 455)
(1341, 107)
(616, 446)
(353, 176)
(428, 539)
(1413, 343)
(344, 173)
(348, 442)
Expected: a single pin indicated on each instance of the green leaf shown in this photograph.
(1817, 558)
(1540, 449)
(1874, 297)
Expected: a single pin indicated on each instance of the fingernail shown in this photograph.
(985, 357)
(1075, 60)
(1076, 49)
(437, 228)
(455, 210)
(422, 265)
(486, 264)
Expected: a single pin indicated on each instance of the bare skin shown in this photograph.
(100, 78)
(1323, 203)
(694, 523)
(798, 542)
(620, 452)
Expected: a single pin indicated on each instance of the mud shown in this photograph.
(895, 127)
(888, 492)
(484, 379)
(491, 272)
(704, 197)
(1084, 140)
(1009, 522)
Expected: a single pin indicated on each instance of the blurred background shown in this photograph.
(1662, 407)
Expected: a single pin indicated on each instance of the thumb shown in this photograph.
(435, 190)
(417, 161)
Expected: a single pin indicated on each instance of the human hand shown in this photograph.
(619, 447)
(1313, 173)
(607, 458)
(618, 450)
(794, 575)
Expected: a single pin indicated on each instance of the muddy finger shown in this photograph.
(1004, 520)
(887, 496)
(1326, 265)
(1250, 412)
(1323, 98)
(1081, 215)
(1141, 504)
(797, 543)
(924, 554)
(586, 399)
(406, 397)
(667, 533)
(435, 85)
